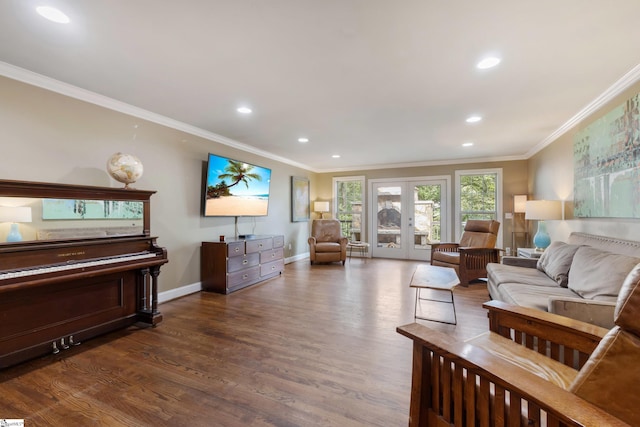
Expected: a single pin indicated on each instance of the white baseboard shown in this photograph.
(179, 292)
(296, 258)
(197, 287)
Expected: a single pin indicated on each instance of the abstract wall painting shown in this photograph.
(606, 158)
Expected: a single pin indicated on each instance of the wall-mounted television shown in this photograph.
(235, 188)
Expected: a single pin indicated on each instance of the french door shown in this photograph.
(407, 215)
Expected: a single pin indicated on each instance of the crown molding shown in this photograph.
(53, 85)
(446, 162)
(631, 77)
(48, 83)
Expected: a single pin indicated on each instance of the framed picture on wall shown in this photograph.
(607, 164)
(300, 210)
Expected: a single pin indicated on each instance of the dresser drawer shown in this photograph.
(278, 241)
(259, 245)
(272, 267)
(235, 249)
(243, 276)
(271, 255)
(239, 262)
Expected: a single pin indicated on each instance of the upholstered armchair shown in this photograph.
(532, 368)
(326, 243)
(471, 255)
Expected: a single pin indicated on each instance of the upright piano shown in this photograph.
(87, 265)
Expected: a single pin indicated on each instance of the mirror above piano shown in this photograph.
(41, 211)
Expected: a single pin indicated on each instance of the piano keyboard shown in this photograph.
(74, 264)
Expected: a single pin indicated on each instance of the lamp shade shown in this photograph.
(543, 209)
(519, 203)
(321, 206)
(15, 214)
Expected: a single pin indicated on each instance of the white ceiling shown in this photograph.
(379, 82)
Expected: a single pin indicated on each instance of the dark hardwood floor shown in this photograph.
(315, 347)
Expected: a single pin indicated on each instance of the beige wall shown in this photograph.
(514, 175)
(49, 137)
(551, 177)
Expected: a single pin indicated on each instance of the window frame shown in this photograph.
(334, 209)
(458, 193)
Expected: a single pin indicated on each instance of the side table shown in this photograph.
(361, 247)
(528, 253)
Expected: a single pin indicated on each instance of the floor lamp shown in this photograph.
(542, 210)
(519, 209)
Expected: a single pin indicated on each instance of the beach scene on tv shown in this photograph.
(236, 188)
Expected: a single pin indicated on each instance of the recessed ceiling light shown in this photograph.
(336, 156)
(488, 62)
(473, 119)
(467, 144)
(303, 139)
(244, 110)
(53, 14)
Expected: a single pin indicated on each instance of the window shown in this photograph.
(348, 193)
(478, 196)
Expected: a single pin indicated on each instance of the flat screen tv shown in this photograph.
(235, 188)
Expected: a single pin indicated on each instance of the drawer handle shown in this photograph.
(260, 244)
(244, 276)
(245, 261)
(237, 249)
(273, 255)
(273, 267)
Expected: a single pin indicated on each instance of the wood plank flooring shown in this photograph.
(315, 347)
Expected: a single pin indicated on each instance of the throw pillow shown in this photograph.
(597, 273)
(556, 261)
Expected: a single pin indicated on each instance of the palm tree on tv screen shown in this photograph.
(239, 172)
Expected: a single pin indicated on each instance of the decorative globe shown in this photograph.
(125, 168)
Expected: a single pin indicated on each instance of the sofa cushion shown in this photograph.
(556, 260)
(596, 273)
(501, 273)
(532, 296)
(328, 247)
(627, 313)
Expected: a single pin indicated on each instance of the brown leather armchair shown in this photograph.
(475, 250)
(326, 243)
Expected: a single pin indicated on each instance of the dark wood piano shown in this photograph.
(69, 281)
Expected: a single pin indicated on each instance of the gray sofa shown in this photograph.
(579, 279)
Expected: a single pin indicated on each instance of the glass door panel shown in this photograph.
(426, 223)
(388, 221)
(407, 217)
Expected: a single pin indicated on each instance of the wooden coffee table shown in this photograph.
(434, 278)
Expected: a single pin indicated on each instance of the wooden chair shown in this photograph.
(471, 255)
(532, 369)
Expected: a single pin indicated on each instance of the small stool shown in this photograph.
(363, 247)
(435, 278)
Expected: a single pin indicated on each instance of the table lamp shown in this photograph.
(15, 214)
(542, 210)
(321, 208)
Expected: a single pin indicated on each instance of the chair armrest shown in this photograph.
(311, 240)
(451, 380)
(563, 339)
(444, 247)
(594, 312)
(343, 242)
(520, 262)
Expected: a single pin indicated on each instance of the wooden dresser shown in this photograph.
(228, 266)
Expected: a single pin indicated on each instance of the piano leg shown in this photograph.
(148, 310)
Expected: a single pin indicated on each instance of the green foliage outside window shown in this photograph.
(349, 207)
(478, 196)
